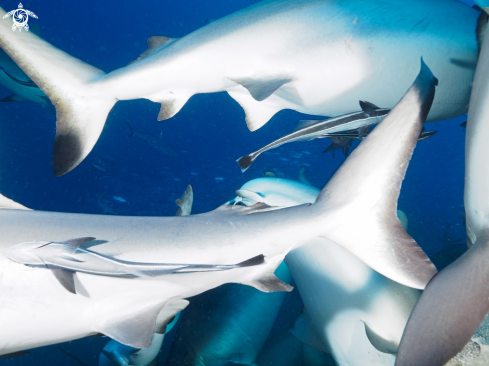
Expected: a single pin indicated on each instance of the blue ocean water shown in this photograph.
(208, 135)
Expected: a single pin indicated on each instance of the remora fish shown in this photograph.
(362, 194)
(460, 292)
(13, 78)
(117, 354)
(310, 129)
(156, 142)
(270, 56)
(351, 310)
(66, 257)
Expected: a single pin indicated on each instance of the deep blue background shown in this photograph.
(208, 135)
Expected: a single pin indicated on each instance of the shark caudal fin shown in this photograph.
(362, 195)
(81, 110)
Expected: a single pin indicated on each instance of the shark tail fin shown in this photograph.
(264, 278)
(81, 110)
(367, 198)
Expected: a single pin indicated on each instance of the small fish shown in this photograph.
(270, 174)
(313, 129)
(120, 199)
(219, 178)
(66, 257)
(283, 159)
(156, 142)
(193, 173)
(99, 167)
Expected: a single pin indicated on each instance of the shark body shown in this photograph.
(363, 193)
(273, 55)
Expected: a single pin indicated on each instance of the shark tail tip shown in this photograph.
(245, 162)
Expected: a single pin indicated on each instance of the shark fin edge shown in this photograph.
(435, 337)
(386, 247)
(71, 245)
(14, 354)
(185, 202)
(264, 279)
(257, 113)
(7, 203)
(170, 106)
(65, 278)
(379, 343)
(168, 314)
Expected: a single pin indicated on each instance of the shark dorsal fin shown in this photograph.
(368, 108)
(185, 202)
(154, 43)
(380, 343)
(72, 244)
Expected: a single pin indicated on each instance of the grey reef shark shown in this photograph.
(35, 310)
(13, 78)
(270, 56)
(456, 301)
(156, 142)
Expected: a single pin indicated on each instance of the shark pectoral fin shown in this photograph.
(380, 344)
(154, 43)
(364, 191)
(368, 108)
(169, 314)
(450, 309)
(133, 327)
(71, 245)
(11, 98)
(257, 113)
(7, 203)
(65, 277)
(115, 358)
(261, 88)
(170, 105)
(303, 329)
(263, 277)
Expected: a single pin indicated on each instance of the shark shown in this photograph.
(117, 354)
(270, 56)
(13, 78)
(362, 193)
(351, 311)
(156, 142)
(459, 292)
(312, 129)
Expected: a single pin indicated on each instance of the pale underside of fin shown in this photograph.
(135, 327)
(261, 88)
(65, 278)
(380, 344)
(170, 104)
(249, 196)
(257, 113)
(264, 279)
(168, 313)
(7, 203)
(303, 329)
(450, 309)
(185, 202)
